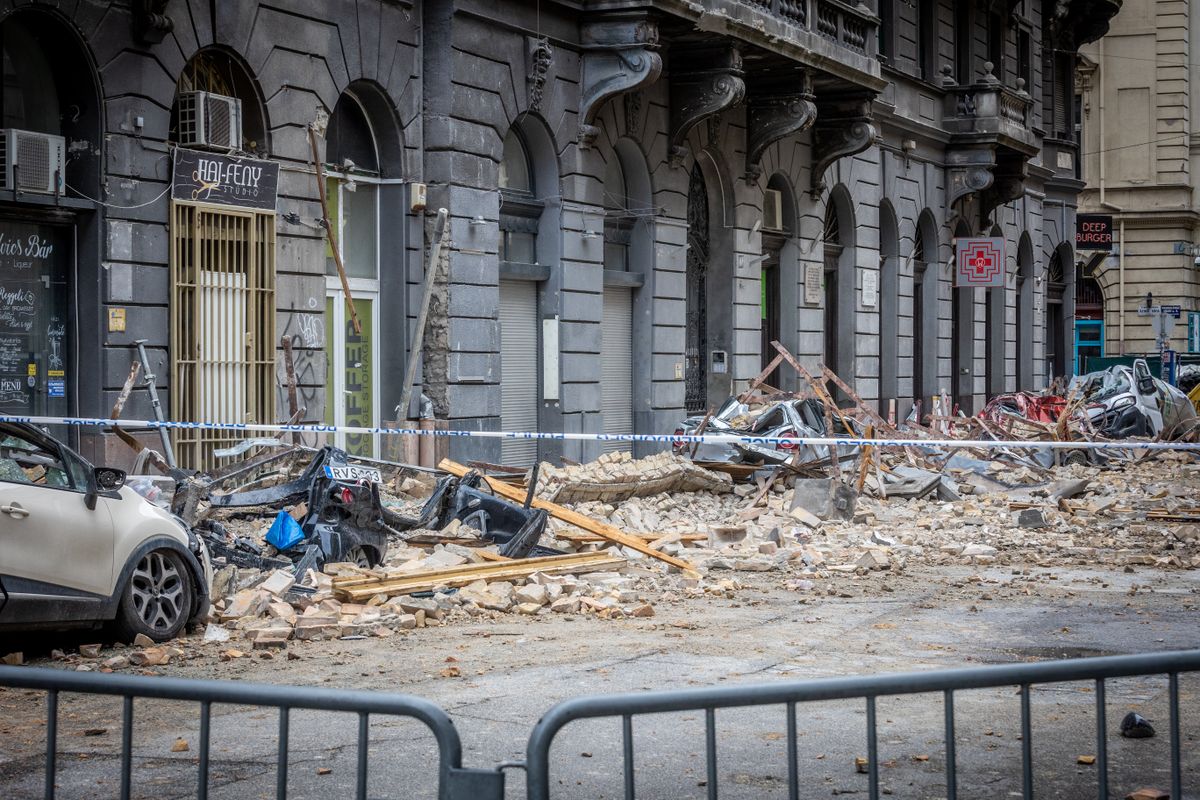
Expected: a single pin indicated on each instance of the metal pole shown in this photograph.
(148, 379)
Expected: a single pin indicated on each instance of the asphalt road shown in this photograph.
(512, 670)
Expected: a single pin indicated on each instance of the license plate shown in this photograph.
(354, 474)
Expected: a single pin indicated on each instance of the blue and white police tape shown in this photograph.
(789, 442)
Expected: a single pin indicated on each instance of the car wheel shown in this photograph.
(157, 599)
(358, 556)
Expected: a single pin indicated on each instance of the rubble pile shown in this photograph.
(618, 476)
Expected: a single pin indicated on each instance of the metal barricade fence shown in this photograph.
(458, 783)
(454, 782)
(947, 682)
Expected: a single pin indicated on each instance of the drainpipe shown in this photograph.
(1105, 204)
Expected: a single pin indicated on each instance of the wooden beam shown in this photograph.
(575, 518)
(329, 233)
(362, 588)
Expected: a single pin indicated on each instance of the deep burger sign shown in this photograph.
(223, 180)
(1093, 232)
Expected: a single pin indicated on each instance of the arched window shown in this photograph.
(219, 72)
(519, 208)
(618, 218)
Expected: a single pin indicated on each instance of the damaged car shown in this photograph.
(79, 548)
(787, 419)
(344, 519)
(1128, 401)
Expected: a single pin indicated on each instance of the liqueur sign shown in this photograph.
(980, 263)
(224, 180)
(1094, 232)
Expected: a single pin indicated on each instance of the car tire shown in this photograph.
(359, 556)
(156, 601)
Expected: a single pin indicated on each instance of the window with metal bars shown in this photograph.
(222, 325)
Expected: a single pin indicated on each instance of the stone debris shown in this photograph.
(1139, 513)
(618, 476)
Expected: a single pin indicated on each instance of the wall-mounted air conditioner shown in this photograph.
(32, 162)
(772, 210)
(210, 120)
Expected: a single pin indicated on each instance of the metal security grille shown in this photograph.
(222, 324)
(616, 370)
(519, 391)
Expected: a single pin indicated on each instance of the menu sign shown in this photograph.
(223, 180)
(34, 315)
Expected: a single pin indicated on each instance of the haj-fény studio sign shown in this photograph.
(223, 180)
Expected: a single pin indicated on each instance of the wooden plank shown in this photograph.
(582, 537)
(532, 563)
(488, 555)
(361, 589)
(575, 518)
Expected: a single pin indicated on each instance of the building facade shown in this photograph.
(642, 196)
(1138, 97)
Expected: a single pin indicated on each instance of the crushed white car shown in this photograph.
(78, 548)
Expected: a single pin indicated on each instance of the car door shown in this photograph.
(56, 554)
(1149, 398)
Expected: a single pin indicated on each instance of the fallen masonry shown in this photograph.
(618, 558)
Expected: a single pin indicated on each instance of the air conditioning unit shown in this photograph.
(32, 162)
(209, 120)
(772, 210)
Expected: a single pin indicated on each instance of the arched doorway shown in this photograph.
(1089, 321)
(1055, 336)
(962, 338)
(839, 259)
(696, 293)
(222, 341)
(1024, 336)
(779, 222)
(889, 299)
(924, 328)
(995, 342)
(50, 354)
(364, 366)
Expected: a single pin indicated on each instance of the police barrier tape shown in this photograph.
(791, 442)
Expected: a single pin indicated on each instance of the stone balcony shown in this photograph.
(991, 138)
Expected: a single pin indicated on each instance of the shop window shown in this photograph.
(35, 318)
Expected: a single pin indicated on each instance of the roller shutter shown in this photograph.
(616, 367)
(519, 396)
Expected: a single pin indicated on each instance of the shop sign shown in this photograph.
(1094, 232)
(223, 180)
(980, 263)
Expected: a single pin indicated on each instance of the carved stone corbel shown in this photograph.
(619, 55)
(702, 86)
(843, 128)
(771, 117)
(1008, 183)
(541, 58)
(968, 172)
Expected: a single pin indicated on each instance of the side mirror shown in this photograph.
(109, 479)
(102, 479)
(1145, 385)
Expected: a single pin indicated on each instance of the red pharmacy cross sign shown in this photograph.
(980, 263)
